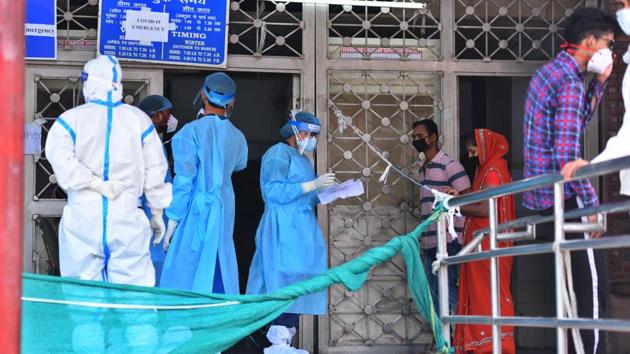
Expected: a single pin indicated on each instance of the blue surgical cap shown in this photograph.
(301, 117)
(155, 103)
(219, 88)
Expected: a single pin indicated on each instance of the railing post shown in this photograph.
(561, 333)
(494, 278)
(443, 278)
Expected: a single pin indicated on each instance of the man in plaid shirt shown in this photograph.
(558, 108)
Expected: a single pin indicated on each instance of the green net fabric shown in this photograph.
(62, 315)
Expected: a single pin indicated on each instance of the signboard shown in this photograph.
(187, 32)
(77, 44)
(40, 29)
(381, 53)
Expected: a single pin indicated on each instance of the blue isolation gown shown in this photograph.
(289, 242)
(157, 252)
(206, 152)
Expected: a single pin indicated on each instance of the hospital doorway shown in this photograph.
(263, 104)
(497, 103)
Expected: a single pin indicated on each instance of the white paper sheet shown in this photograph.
(347, 189)
(32, 139)
(147, 26)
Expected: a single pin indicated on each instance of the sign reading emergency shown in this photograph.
(40, 30)
(192, 32)
(147, 26)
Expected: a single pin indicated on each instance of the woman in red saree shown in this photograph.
(474, 279)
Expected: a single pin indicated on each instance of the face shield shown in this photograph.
(220, 91)
(309, 142)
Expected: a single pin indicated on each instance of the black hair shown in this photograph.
(213, 105)
(588, 21)
(469, 140)
(429, 125)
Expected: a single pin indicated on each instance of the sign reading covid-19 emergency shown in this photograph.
(40, 30)
(192, 32)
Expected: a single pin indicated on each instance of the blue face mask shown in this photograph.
(307, 145)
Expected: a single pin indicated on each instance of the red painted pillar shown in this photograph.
(11, 170)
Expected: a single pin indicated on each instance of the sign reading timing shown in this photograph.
(187, 32)
(40, 30)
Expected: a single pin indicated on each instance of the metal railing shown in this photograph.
(559, 246)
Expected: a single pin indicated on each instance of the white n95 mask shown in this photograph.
(623, 17)
(171, 125)
(600, 61)
(307, 145)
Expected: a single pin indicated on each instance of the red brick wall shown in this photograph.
(612, 116)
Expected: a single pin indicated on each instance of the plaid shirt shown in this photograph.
(557, 111)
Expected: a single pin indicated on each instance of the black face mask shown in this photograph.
(474, 160)
(420, 145)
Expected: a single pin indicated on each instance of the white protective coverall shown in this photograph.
(617, 145)
(104, 139)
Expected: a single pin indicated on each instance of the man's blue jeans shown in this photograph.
(428, 257)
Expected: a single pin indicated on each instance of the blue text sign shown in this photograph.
(40, 30)
(192, 32)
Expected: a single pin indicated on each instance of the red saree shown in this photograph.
(474, 279)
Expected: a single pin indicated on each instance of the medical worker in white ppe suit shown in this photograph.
(105, 155)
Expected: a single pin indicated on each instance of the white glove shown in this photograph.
(157, 225)
(109, 189)
(323, 181)
(170, 230)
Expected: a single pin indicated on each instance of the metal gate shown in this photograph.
(382, 67)
(385, 68)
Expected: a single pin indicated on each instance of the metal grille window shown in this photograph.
(510, 30)
(265, 28)
(385, 33)
(77, 23)
(383, 107)
(53, 97)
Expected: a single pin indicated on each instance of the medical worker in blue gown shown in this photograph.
(290, 245)
(158, 108)
(199, 237)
